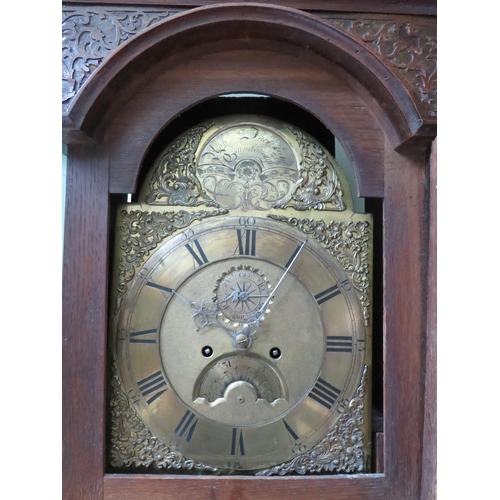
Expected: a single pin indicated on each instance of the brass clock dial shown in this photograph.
(241, 337)
(259, 402)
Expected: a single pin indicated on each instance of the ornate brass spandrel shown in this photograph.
(133, 444)
(348, 242)
(341, 450)
(318, 186)
(142, 231)
(174, 180)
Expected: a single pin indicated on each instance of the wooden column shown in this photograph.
(84, 322)
(430, 421)
(405, 289)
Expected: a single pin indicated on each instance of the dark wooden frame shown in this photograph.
(420, 7)
(117, 115)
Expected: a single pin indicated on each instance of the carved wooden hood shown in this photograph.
(105, 46)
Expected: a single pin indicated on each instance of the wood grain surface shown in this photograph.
(429, 451)
(405, 289)
(215, 29)
(85, 269)
(355, 487)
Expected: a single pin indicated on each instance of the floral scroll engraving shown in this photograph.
(131, 441)
(348, 243)
(90, 35)
(341, 450)
(409, 47)
(143, 232)
(318, 186)
(174, 180)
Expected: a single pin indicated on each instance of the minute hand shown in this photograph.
(263, 308)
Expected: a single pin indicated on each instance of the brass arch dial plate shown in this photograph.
(240, 344)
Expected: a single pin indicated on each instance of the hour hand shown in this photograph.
(204, 313)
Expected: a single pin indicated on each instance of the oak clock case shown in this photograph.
(240, 309)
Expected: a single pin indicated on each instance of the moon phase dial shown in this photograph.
(241, 292)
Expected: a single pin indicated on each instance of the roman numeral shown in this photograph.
(338, 344)
(237, 447)
(152, 386)
(290, 431)
(142, 337)
(186, 426)
(246, 241)
(324, 393)
(199, 257)
(327, 294)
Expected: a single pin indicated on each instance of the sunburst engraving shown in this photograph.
(240, 292)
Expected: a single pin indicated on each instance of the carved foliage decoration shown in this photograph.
(341, 450)
(132, 443)
(348, 243)
(409, 47)
(89, 35)
(142, 232)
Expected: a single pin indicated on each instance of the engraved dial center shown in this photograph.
(241, 292)
(267, 360)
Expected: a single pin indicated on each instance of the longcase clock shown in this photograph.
(236, 329)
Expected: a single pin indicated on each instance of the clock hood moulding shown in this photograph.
(396, 60)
